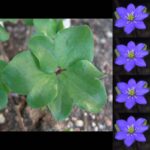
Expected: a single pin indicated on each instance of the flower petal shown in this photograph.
(139, 9)
(141, 16)
(129, 140)
(131, 120)
(131, 45)
(132, 83)
(141, 91)
(141, 53)
(140, 137)
(141, 84)
(129, 28)
(123, 87)
(141, 129)
(129, 65)
(140, 121)
(121, 98)
(120, 60)
(130, 8)
(120, 135)
(140, 25)
(122, 125)
(140, 46)
(122, 49)
(140, 62)
(120, 23)
(130, 102)
(121, 12)
(141, 100)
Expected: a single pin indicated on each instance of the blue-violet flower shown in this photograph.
(131, 18)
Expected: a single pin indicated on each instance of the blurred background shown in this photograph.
(20, 117)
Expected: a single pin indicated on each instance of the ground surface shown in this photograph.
(20, 117)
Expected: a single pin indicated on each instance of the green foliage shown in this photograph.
(4, 35)
(48, 27)
(57, 70)
(3, 88)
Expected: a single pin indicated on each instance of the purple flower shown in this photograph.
(131, 18)
(132, 93)
(131, 55)
(131, 130)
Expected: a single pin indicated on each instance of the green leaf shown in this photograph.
(3, 99)
(9, 20)
(62, 105)
(117, 90)
(22, 73)
(46, 26)
(117, 53)
(70, 45)
(117, 15)
(117, 128)
(145, 47)
(84, 87)
(4, 36)
(59, 25)
(28, 22)
(44, 91)
(73, 44)
(2, 65)
(43, 49)
(3, 89)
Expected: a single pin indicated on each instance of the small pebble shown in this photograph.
(66, 119)
(101, 126)
(108, 122)
(70, 124)
(109, 34)
(67, 23)
(93, 116)
(110, 98)
(2, 119)
(85, 114)
(93, 124)
(79, 123)
(96, 129)
(74, 118)
(103, 41)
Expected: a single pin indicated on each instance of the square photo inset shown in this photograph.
(131, 56)
(131, 18)
(131, 94)
(131, 132)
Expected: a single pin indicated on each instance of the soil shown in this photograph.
(20, 117)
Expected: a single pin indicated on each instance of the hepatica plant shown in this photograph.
(57, 71)
(131, 130)
(131, 18)
(3, 88)
(131, 55)
(132, 93)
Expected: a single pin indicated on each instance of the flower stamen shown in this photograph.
(130, 17)
(131, 130)
(131, 54)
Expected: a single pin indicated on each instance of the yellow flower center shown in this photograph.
(131, 54)
(131, 92)
(130, 17)
(131, 130)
